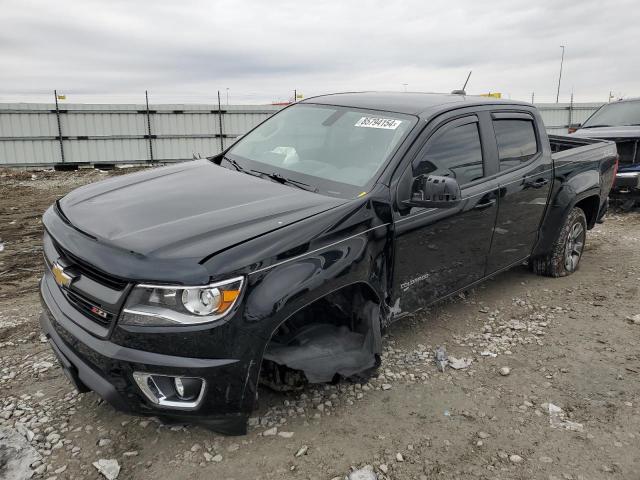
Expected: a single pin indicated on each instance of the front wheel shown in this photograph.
(566, 253)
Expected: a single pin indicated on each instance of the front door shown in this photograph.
(439, 251)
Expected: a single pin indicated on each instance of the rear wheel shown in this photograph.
(566, 253)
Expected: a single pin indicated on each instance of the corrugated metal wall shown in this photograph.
(119, 133)
(558, 117)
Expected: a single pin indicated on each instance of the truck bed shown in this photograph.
(566, 148)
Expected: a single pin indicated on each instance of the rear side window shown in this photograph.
(456, 153)
(517, 142)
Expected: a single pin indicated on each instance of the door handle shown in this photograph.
(538, 183)
(487, 204)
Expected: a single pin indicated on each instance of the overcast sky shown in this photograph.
(186, 50)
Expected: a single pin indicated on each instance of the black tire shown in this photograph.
(565, 255)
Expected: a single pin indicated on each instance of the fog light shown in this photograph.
(171, 392)
(179, 386)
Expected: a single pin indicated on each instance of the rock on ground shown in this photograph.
(16, 455)
(365, 473)
(109, 468)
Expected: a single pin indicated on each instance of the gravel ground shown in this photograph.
(552, 391)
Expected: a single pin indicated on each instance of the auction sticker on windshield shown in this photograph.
(377, 122)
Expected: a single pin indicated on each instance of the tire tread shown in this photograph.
(552, 264)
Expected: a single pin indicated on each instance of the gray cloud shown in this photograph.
(261, 51)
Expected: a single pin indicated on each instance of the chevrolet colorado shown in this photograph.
(174, 291)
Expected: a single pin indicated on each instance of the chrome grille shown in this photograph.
(91, 285)
(628, 149)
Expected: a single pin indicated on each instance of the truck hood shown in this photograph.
(628, 131)
(193, 209)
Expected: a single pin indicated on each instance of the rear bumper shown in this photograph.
(107, 368)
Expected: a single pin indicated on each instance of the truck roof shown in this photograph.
(412, 103)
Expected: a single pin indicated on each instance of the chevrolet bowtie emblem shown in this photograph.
(63, 279)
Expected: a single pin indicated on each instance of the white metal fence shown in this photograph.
(558, 117)
(37, 134)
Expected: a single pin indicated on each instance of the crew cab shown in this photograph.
(175, 291)
(619, 122)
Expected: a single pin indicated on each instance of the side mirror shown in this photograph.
(434, 191)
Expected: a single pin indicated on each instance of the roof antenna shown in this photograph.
(463, 92)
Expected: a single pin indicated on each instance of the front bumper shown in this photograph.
(626, 185)
(107, 368)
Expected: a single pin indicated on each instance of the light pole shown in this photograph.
(560, 76)
(227, 97)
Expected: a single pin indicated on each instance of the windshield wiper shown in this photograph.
(273, 176)
(284, 180)
(240, 168)
(234, 163)
(596, 126)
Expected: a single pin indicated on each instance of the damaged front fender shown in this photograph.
(323, 350)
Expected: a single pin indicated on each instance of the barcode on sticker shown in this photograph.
(377, 122)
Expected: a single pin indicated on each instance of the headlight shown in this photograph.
(154, 305)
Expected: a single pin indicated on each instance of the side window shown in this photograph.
(456, 153)
(516, 142)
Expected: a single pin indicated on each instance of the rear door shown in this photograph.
(441, 250)
(525, 177)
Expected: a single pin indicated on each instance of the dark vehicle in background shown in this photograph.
(174, 291)
(620, 123)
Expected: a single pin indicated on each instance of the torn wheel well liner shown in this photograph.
(338, 334)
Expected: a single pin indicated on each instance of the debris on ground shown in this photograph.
(459, 363)
(441, 358)
(302, 451)
(109, 468)
(557, 419)
(365, 473)
(504, 371)
(16, 455)
(634, 319)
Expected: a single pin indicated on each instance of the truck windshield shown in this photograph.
(318, 144)
(614, 115)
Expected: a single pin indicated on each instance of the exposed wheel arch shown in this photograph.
(336, 334)
(591, 208)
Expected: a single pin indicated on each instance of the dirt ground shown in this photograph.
(569, 342)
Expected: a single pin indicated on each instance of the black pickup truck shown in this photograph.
(175, 291)
(619, 122)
